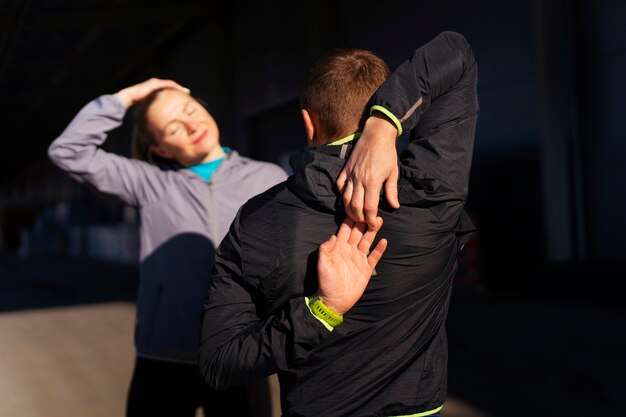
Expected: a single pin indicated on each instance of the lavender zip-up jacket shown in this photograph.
(183, 219)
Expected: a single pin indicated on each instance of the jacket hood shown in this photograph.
(315, 170)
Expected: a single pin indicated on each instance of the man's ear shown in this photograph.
(310, 124)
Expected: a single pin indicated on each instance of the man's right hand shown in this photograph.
(131, 95)
(373, 162)
(346, 264)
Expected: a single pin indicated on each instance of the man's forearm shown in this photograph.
(233, 352)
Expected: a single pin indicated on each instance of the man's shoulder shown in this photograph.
(259, 223)
(261, 204)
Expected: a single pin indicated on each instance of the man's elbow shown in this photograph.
(212, 373)
(461, 44)
(53, 153)
(455, 38)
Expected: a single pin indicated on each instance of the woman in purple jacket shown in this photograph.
(188, 189)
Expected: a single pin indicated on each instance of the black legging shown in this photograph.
(161, 388)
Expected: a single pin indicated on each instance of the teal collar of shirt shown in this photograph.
(207, 169)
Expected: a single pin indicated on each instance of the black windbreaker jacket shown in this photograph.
(389, 356)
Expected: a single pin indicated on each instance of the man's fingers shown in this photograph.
(370, 205)
(341, 180)
(329, 245)
(355, 207)
(369, 236)
(347, 197)
(356, 233)
(391, 189)
(377, 253)
(344, 230)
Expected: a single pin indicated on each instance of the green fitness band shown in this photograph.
(321, 310)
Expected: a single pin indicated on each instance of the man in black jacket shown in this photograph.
(272, 309)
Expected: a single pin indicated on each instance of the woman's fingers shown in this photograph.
(135, 93)
(157, 83)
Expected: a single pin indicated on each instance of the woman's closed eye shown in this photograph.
(173, 129)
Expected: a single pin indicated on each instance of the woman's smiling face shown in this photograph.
(183, 129)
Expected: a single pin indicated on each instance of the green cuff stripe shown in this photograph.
(423, 414)
(390, 115)
(328, 326)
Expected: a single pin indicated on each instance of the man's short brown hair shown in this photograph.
(339, 87)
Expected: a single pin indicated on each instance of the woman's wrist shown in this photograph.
(124, 98)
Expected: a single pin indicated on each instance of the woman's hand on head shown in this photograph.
(131, 95)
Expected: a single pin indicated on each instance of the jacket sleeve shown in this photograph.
(239, 343)
(432, 96)
(77, 151)
(439, 67)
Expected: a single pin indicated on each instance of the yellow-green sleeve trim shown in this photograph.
(344, 140)
(423, 414)
(390, 115)
(328, 326)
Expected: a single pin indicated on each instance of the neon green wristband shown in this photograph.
(390, 115)
(321, 310)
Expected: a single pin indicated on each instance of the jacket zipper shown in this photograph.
(213, 216)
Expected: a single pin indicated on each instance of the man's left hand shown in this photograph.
(346, 264)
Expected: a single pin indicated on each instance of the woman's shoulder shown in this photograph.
(252, 165)
(244, 166)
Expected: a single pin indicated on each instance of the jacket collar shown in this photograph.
(232, 161)
(315, 170)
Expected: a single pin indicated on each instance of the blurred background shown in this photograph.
(538, 318)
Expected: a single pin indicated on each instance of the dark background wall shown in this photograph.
(548, 180)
